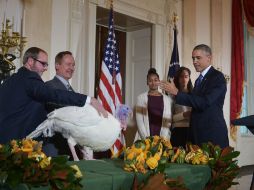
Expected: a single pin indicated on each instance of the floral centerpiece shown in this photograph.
(149, 154)
(22, 162)
(154, 152)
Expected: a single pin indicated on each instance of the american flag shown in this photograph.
(110, 87)
(174, 62)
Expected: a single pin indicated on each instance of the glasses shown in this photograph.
(44, 64)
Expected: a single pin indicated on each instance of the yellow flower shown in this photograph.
(152, 163)
(15, 147)
(166, 143)
(160, 149)
(37, 156)
(155, 140)
(13, 143)
(127, 168)
(157, 156)
(137, 150)
(131, 155)
(146, 154)
(141, 167)
(1, 146)
(166, 153)
(147, 142)
(78, 172)
(141, 158)
(45, 162)
(27, 149)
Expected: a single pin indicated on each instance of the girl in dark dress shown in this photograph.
(181, 116)
(153, 110)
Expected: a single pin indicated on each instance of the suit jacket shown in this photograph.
(55, 83)
(207, 120)
(22, 103)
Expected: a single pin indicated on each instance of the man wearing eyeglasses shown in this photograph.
(24, 94)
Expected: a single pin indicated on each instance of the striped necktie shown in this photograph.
(69, 88)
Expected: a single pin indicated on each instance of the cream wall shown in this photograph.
(37, 25)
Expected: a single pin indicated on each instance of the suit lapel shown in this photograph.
(59, 84)
(207, 76)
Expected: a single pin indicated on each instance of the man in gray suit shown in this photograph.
(65, 67)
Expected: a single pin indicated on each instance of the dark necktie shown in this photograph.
(199, 80)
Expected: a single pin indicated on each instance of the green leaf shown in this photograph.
(3, 177)
(230, 156)
(155, 149)
(21, 187)
(59, 184)
(160, 168)
(163, 160)
(206, 148)
(217, 152)
(71, 176)
(60, 159)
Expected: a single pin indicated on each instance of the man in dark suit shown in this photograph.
(65, 67)
(24, 94)
(207, 99)
(247, 121)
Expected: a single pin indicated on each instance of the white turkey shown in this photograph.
(84, 126)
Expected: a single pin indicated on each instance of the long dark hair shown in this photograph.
(178, 74)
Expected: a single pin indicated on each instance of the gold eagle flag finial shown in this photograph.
(175, 19)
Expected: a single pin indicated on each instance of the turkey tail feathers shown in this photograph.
(44, 128)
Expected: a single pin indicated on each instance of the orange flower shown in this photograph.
(131, 155)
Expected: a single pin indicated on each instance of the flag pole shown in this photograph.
(174, 61)
(111, 4)
(114, 65)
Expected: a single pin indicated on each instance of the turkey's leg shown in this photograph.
(87, 153)
(73, 152)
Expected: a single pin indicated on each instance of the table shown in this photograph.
(109, 175)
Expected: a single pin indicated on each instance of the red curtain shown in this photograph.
(237, 64)
(248, 6)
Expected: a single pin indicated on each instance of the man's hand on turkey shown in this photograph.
(97, 105)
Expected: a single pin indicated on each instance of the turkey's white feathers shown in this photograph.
(81, 125)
